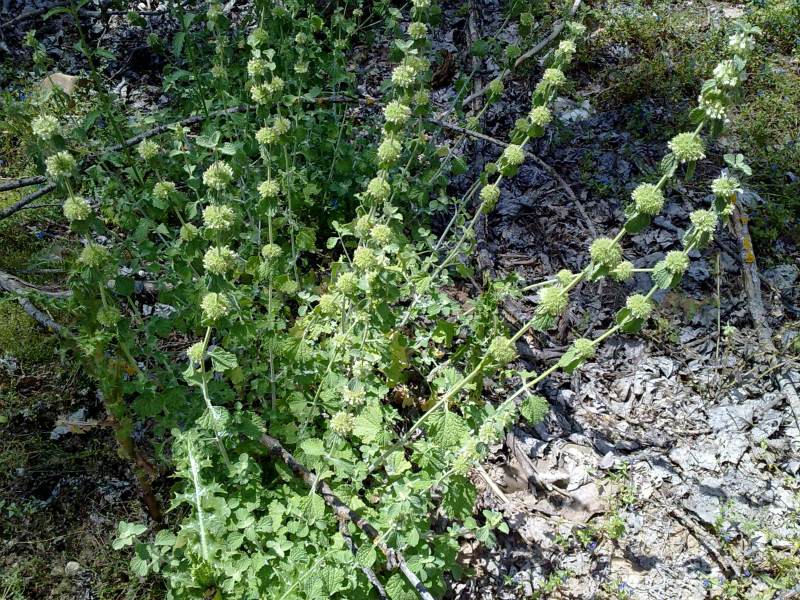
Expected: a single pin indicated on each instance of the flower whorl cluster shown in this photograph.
(44, 127)
(76, 208)
(218, 175)
(60, 164)
(605, 252)
(148, 149)
(162, 190)
(218, 217)
(553, 301)
(342, 423)
(214, 306)
(501, 350)
(687, 147)
(639, 306)
(648, 199)
(219, 260)
(93, 256)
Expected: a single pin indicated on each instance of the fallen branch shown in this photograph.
(344, 512)
(15, 285)
(13, 184)
(40, 316)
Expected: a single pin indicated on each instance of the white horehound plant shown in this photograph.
(323, 400)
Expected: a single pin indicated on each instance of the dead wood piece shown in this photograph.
(344, 512)
(40, 316)
(15, 285)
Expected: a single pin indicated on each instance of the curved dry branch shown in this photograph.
(15, 285)
(393, 558)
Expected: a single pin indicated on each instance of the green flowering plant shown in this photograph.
(290, 253)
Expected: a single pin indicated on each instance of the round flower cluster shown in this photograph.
(584, 348)
(196, 352)
(108, 316)
(281, 125)
(219, 260)
(163, 189)
(379, 189)
(496, 87)
(328, 304)
(148, 149)
(687, 147)
(363, 226)
(218, 217)
(396, 113)
(271, 251)
(389, 151)
(93, 256)
(403, 76)
(188, 232)
(576, 29)
(354, 398)
(502, 350)
(553, 300)
(540, 116)
(554, 78)
(741, 43)
(256, 67)
(623, 271)
(513, 155)
(417, 30)
(726, 74)
(269, 189)
(565, 277)
(705, 221)
(347, 283)
(214, 306)
(676, 262)
(648, 199)
(364, 258)
(59, 164)
(266, 136)
(713, 107)
(381, 234)
(342, 423)
(76, 208)
(725, 186)
(263, 93)
(639, 306)
(605, 252)
(218, 175)
(421, 4)
(490, 194)
(44, 127)
(566, 49)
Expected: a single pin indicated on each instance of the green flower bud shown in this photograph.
(342, 423)
(266, 136)
(347, 283)
(623, 271)
(271, 251)
(214, 306)
(269, 189)
(725, 186)
(676, 262)
(687, 147)
(502, 350)
(59, 164)
(45, 127)
(196, 352)
(364, 258)
(565, 277)
(219, 260)
(163, 189)
(76, 208)
(148, 149)
(605, 252)
(496, 87)
(218, 217)
(417, 30)
(553, 300)
(648, 199)
(93, 256)
(422, 97)
(108, 316)
(540, 116)
(639, 306)
(188, 232)
(490, 194)
(389, 151)
(218, 176)
(513, 155)
(396, 113)
(381, 234)
(379, 189)
(705, 221)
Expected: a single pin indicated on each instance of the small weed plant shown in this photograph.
(266, 272)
